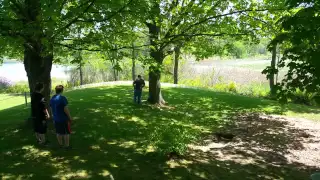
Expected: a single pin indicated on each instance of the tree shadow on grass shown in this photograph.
(272, 148)
(114, 136)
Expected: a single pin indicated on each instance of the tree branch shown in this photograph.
(223, 15)
(208, 34)
(76, 48)
(74, 20)
(190, 36)
(109, 17)
(177, 23)
(97, 50)
(213, 17)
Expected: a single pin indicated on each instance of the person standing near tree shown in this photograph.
(40, 114)
(138, 85)
(61, 116)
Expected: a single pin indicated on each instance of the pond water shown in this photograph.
(14, 71)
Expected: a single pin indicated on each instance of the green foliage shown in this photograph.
(300, 38)
(232, 87)
(100, 70)
(22, 87)
(238, 50)
(226, 87)
(17, 88)
(300, 97)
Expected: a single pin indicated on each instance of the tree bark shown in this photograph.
(155, 96)
(38, 66)
(133, 63)
(176, 64)
(115, 63)
(81, 73)
(273, 90)
(38, 49)
(115, 74)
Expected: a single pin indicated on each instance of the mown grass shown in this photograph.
(111, 135)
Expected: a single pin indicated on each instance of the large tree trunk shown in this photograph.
(273, 90)
(154, 85)
(38, 50)
(38, 66)
(176, 64)
(155, 96)
(38, 69)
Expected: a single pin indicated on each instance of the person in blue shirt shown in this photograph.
(61, 117)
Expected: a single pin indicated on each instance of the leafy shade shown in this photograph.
(301, 38)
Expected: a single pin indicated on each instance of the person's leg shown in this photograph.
(36, 129)
(42, 132)
(59, 138)
(42, 138)
(66, 140)
(67, 135)
(139, 97)
(135, 96)
(59, 132)
(37, 137)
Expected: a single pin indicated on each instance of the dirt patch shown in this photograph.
(265, 147)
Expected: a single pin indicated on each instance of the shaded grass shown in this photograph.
(114, 136)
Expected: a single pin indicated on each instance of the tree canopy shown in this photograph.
(46, 31)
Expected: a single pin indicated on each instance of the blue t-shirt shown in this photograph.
(57, 103)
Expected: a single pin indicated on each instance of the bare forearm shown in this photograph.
(66, 110)
(46, 112)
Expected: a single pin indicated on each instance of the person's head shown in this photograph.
(39, 87)
(59, 89)
(139, 77)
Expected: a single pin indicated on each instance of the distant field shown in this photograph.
(243, 72)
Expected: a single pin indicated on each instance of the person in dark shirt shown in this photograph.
(138, 84)
(39, 113)
(61, 116)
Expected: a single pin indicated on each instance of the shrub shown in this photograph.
(301, 97)
(17, 88)
(23, 86)
(224, 87)
(232, 87)
(5, 83)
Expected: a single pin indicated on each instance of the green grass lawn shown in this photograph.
(111, 135)
(8, 101)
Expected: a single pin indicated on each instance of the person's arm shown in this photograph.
(134, 83)
(66, 110)
(46, 112)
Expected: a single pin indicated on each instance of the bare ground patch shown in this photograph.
(265, 147)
